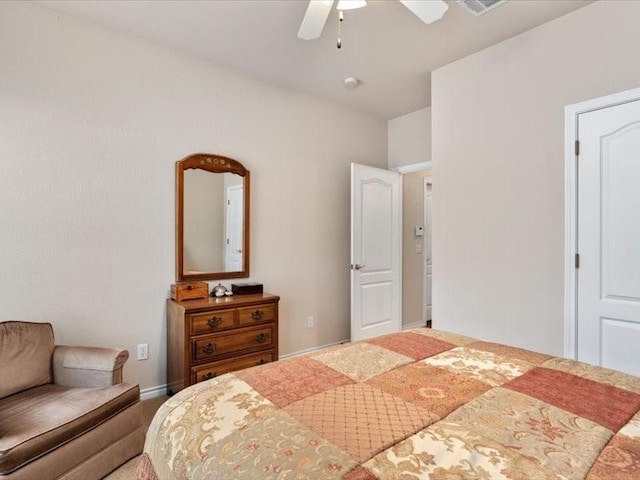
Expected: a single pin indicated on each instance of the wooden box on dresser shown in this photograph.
(209, 337)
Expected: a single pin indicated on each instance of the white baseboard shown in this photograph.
(409, 326)
(153, 392)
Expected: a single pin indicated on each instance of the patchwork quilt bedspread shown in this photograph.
(420, 404)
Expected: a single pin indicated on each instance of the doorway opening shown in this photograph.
(417, 275)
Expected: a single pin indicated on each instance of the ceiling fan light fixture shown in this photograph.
(350, 4)
(428, 12)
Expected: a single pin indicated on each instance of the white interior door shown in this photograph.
(376, 252)
(608, 280)
(428, 267)
(233, 226)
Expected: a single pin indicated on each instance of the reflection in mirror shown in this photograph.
(212, 209)
(213, 221)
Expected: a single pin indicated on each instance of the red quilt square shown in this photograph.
(292, 380)
(606, 405)
(412, 345)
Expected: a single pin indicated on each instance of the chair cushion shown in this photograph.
(36, 421)
(25, 356)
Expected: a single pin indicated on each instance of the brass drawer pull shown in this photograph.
(209, 349)
(262, 361)
(209, 376)
(261, 338)
(214, 322)
(257, 315)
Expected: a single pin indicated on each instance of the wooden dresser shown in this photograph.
(209, 337)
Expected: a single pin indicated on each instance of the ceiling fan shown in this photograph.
(428, 11)
(318, 12)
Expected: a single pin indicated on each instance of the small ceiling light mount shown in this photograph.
(352, 82)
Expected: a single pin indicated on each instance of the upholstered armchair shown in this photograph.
(64, 411)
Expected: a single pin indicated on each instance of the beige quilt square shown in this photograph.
(555, 439)
(481, 365)
(362, 361)
(449, 337)
(448, 452)
(277, 447)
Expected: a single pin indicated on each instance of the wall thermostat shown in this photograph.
(419, 229)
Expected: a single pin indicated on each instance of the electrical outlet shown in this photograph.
(143, 351)
(310, 322)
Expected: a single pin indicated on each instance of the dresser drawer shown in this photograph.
(212, 370)
(210, 322)
(213, 346)
(256, 314)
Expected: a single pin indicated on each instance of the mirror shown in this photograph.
(212, 218)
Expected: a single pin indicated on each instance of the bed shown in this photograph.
(419, 404)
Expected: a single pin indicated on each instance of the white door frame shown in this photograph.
(426, 235)
(414, 167)
(571, 113)
(411, 168)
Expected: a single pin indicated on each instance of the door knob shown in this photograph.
(357, 266)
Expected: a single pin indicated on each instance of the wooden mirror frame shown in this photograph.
(216, 164)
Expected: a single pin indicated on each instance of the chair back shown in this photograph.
(26, 349)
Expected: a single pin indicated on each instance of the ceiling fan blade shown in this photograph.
(314, 19)
(428, 11)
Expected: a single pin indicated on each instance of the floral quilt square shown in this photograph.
(446, 451)
(361, 361)
(553, 438)
(433, 388)
(211, 414)
(288, 381)
(606, 405)
(412, 345)
(620, 460)
(511, 352)
(481, 365)
(278, 447)
(360, 419)
(453, 338)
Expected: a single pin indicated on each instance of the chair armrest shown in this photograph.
(87, 367)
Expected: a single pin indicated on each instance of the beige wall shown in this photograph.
(92, 123)
(410, 138)
(412, 262)
(498, 139)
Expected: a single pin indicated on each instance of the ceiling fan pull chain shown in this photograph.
(340, 20)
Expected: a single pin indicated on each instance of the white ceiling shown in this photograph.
(384, 45)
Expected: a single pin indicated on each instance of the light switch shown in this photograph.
(419, 230)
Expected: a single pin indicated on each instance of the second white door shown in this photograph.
(608, 327)
(234, 230)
